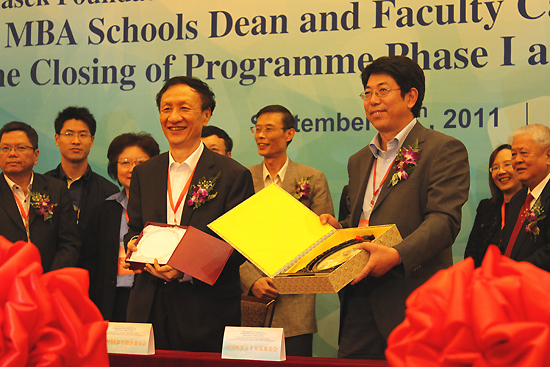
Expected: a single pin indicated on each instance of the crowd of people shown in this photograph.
(408, 175)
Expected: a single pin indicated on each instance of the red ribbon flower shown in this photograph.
(495, 315)
(46, 319)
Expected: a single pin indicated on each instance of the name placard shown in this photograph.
(257, 343)
(130, 338)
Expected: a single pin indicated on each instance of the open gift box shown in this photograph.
(280, 236)
(187, 249)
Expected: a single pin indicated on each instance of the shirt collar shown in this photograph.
(63, 176)
(120, 197)
(191, 161)
(13, 185)
(538, 189)
(395, 143)
(281, 172)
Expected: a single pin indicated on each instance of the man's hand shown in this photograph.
(264, 288)
(131, 248)
(327, 218)
(381, 260)
(165, 272)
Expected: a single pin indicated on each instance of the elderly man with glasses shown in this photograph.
(526, 235)
(34, 207)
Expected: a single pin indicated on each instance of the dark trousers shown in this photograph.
(359, 337)
(190, 319)
(122, 295)
(299, 345)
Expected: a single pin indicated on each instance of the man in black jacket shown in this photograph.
(74, 135)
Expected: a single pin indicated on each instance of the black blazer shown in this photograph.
(100, 255)
(486, 227)
(57, 241)
(148, 204)
(526, 248)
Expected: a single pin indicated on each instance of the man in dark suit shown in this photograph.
(25, 215)
(186, 313)
(408, 175)
(526, 235)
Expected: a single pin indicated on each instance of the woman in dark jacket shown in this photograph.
(104, 244)
(489, 221)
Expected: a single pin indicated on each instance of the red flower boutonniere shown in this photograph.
(302, 189)
(533, 216)
(202, 192)
(405, 162)
(42, 205)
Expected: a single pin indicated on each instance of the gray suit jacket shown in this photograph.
(294, 313)
(426, 208)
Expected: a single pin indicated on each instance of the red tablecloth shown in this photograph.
(165, 358)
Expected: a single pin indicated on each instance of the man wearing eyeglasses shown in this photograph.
(410, 176)
(273, 132)
(74, 135)
(34, 207)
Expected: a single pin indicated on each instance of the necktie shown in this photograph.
(521, 218)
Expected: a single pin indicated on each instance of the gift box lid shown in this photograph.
(272, 230)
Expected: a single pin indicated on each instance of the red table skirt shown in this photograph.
(166, 358)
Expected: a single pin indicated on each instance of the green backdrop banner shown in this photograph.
(486, 65)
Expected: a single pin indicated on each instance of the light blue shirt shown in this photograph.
(120, 197)
(383, 162)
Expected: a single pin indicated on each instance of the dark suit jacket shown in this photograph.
(426, 208)
(485, 232)
(95, 189)
(148, 204)
(526, 247)
(57, 241)
(100, 255)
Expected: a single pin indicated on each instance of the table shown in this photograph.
(168, 358)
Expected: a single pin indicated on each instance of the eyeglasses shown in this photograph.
(382, 92)
(268, 130)
(6, 149)
(506, 166)
(71, 135)
(127, 163)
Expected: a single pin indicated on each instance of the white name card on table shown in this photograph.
(256, 343)
(130, 338)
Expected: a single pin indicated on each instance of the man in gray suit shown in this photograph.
(294, 313)
(408, 175)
